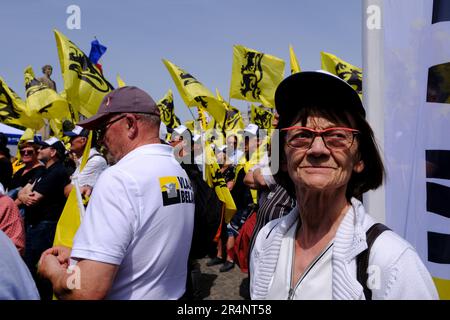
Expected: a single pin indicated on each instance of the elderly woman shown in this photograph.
(329, 158)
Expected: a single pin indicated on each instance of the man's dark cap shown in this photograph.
(122, 100)
(54, 143)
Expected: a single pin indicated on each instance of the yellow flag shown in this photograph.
(194, 93)
(443, 288)
(120, 82)
(190, 125)
(344, 70)
(44, 100)
(167, 111)
(28, 134)
(233, 119)
(261, 116)
(202, 119)
(70, 218)
(295, 67)
(215, 180)
(84, 84)
(13, 110)
(255, 75)
(57, 128)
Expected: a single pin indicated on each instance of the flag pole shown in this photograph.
(79, 197)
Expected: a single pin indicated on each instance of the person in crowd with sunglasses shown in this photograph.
(95, 163)
(329, 158)
(33, 170)
(45, 200)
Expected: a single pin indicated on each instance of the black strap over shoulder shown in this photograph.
(362, 260)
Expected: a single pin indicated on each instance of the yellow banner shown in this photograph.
(194, 93)
(262, 117)
(13, 110)
(344, 70)
(255, 75)
(70, 218)
(443, 288)
(233, 117)
(120, 82)
(295, 66)
(84, 84)
(167, 111)
(215, 179)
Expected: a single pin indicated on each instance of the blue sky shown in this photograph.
(197, 35)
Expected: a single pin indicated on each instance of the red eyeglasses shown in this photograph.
(333, 138)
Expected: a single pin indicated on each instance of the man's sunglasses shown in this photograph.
(26, 152)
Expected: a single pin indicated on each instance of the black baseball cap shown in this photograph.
(54, 143)
(315, 88)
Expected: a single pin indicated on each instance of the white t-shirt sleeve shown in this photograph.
(91, 171)
(110, 220)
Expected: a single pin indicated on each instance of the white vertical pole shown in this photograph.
(373, 93)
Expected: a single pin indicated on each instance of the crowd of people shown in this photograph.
(300, 232)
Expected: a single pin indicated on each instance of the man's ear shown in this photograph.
(52, 152)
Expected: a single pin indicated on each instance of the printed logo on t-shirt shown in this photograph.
(176, 190)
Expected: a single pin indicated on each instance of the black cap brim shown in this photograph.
(315, 88)
(42, 143)
(93, 122)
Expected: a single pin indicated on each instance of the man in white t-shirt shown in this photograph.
(95, 164)
(134, 240)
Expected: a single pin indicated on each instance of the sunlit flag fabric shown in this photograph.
(167, 111)
(13, 110)
(255, 75)
(85, 86)
(43, 100)
(120, 82)
(295, 66)
(194, 93)
(190, 124)
(233, 118)
(70, 218)
(261, 116)
(344, 70)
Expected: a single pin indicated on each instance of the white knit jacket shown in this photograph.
(402, 273)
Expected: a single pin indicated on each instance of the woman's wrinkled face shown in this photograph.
(321, 168)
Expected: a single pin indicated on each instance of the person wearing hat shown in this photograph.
(44, 200)
(32, 170)
(207, 213)
(134, 240)
(95, 164)
(329, 158)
